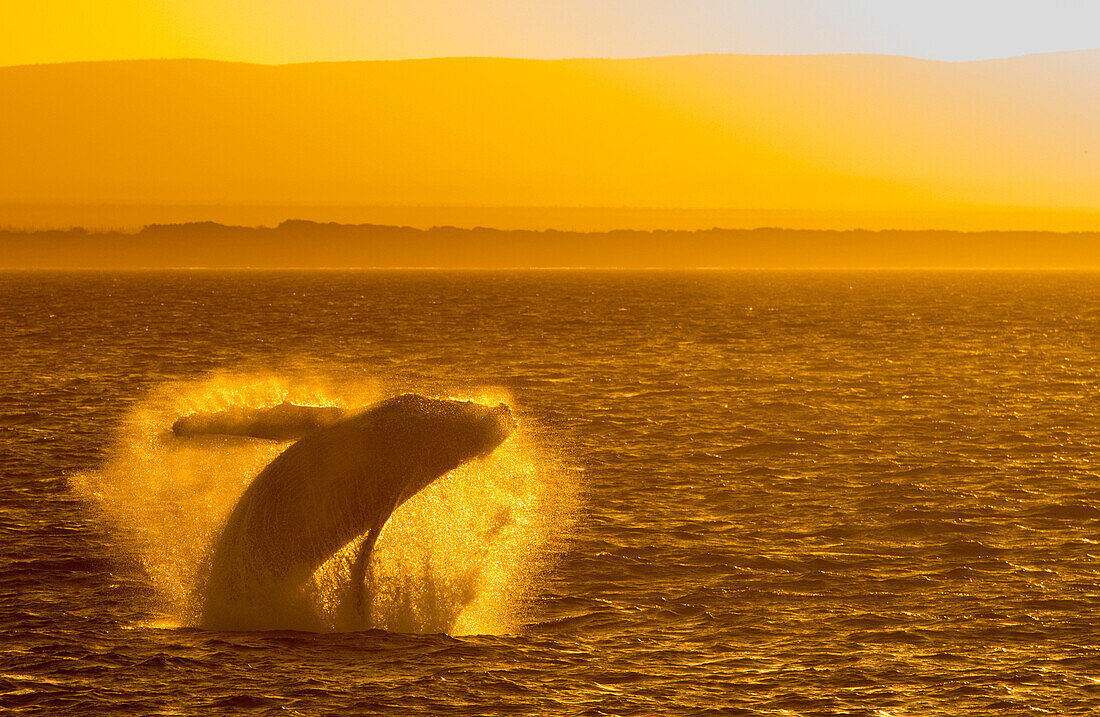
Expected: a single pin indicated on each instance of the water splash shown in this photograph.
(462, 556)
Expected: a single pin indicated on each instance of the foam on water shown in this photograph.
(462, 556)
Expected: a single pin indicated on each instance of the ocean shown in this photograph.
(730, 493)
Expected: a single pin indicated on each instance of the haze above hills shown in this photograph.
(834, 141)
(310, 245)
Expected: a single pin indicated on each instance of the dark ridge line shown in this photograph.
(173, 228)
(307, 244)
(562, 59)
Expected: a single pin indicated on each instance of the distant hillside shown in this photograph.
(838, 133)
(309, 245)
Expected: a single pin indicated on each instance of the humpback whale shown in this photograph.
(336, 484)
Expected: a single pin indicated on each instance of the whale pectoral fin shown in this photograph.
(357, 587)
(285, 422)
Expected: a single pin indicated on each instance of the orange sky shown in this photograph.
(849, 134)
(739, 140)
(277, 31)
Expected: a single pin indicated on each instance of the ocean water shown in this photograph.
(747, 493)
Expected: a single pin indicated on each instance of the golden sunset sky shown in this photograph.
(278, 31)
(750, 125)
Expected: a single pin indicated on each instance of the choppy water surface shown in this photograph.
(800, 493)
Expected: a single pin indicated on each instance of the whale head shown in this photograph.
(468, 428)
(442, 433)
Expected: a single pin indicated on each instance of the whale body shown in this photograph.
(332, 486)
(287, 421)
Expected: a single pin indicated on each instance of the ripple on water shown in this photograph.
(869, 494)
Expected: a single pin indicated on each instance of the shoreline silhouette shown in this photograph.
(312, 245)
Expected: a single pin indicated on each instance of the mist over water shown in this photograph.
(460, 557)
(802, 493)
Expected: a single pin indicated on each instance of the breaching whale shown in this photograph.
(332, 486)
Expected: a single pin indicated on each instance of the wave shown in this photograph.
(20, 419)
(1067, 511)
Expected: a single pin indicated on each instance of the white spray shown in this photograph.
(463, 556)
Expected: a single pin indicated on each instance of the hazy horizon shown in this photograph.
(311, 245)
